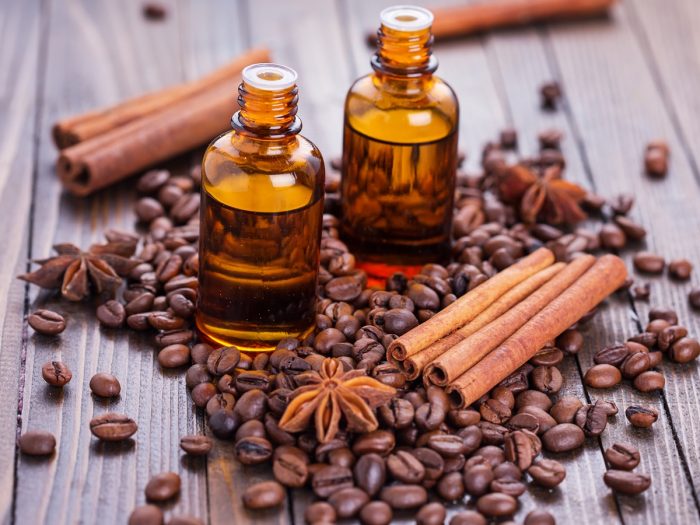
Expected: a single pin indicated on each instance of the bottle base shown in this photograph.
(249, 341)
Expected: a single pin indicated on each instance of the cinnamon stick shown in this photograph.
(415, 364)
(469, 305)
(78, 128)
(182, 124)
(604, 277)
(467, 353)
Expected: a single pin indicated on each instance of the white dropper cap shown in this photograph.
(269, 77)
(406, 18)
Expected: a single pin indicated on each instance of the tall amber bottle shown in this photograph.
(399, 151)
(260, 226)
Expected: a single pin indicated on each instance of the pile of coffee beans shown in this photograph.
(425, 454)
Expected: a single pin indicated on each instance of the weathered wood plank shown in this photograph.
(20, 50)
(99, 53)
(617, 109)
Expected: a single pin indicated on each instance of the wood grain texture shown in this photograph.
(98, 53)
(20, 49)
(617, 109)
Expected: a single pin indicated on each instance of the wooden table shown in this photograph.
(628, 79)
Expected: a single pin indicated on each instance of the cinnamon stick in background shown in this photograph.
(603, 278)
(469, 305)
(123, 140)
(467, 19)
(461, 357)
(415, 364)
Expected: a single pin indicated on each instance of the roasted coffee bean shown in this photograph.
(517, 381)
(139, 321)
(47, 322)
(325, 340)
(345, 288)
(680, 269)
(641, 291)
(140, 304)
(635, 364)
(533, 398)
(477, 479)
(609, 407)
(666, 337)
(432, 513)
(649, 381)
(379, 441)
(105, 385)
(163, 487)
(399, 321)
(252, 428)
(348, 502)
(224, 423)
(657, 325)
(563, 438)
(405, 467)
(684, 350)
(544, 420)
(463, 417)
(185, 519)
(471, 438)
(494, 411)
(611, 355)
(492, 434)
(146, 515)
(37, 443)
(111, 314)
(592, 419)
(450, 487)
(196, 444)
(602, 376)
(564, 410)
(667, 314)
(656, 159)
(253, 450)
(655, 358)
(496, 505)
(648, 262)
(329, 479)
(547, 473)
(197, 374)
(446, 445)
(642, 417)
(113, 427)
(150, 181)
(518, 449)
(223, 360)
(632, 230)
(56, 373)
(548, 356)
(507, 470)
(165, 321)
(454, 464)
(550, 94)
(174, 356)
(523, 421)
(625, 482)
(547, 379)
(251, 405)
(370, 473)
(433, 463)
(290, 466)
(376, 513)
(467, 517)
(253, 379)
(509, 486)
(320, 512)
(185, 208)
(202, 393)
(263, 495)
(539, 517)
(173, 337)
(220, 401)
(404, 496)
(612, 236)
(622, 456)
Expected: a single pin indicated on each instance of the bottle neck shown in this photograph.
(404, 53)
(267, 113)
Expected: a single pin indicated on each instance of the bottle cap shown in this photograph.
(269, 77)
(406, 18)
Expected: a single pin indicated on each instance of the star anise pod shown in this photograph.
(77, 273)
(546, 197)
(331, 394)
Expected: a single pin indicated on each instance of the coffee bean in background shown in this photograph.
(146, 515)
(47, 322)
(539, 517)
(642, 417)
(162, 487)
(196, 444)
(113, 427)
(111, 314)
(56, 373)
(263, 495)
(648, 262)
(376, 513)
(185, 519)
(103, 384)
(626, 482)
(37, 443)
(622, 456)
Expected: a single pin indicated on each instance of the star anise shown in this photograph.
(546, 197)
(77, 273)
(332, 394)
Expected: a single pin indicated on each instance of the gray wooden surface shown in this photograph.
(628, 79)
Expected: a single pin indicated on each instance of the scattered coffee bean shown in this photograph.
(694, 297)
(649, 381)
(539, 517)
(348, 502)
(547, 379)
(431, 514)
(592, 419)
(56, 373)
(648, 262)
(602, 376)
(635, 364)
(320, 512)
(196, 444)
(47, 322)
(550, 94)
(684, 350)
(625, 482)
(174, 356)
(496, 505)
(570, 342)
(656, 159)
(162, 487)
(680, 269)
(105, 385)
(547, 473)
(376, 513)
(223, 423)
(642, 417)
(146, 515)
(622, 456)
(563, 438)
(468, 517)
(113, 427)
(404, 496)
(185, 519)
(564, 410)
(223, 360)
(370, 473)
(37, 443)
(111, 314)
(330, 478)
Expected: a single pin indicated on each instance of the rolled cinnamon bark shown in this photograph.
(465, 354)
(415, 364)
(469, 305)
(603, 278)
(183, 124)
(78, 128)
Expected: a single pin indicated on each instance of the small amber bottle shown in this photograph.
(399, 151)
(260, 224)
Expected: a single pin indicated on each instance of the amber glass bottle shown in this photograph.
(262, 203)
(399, 151)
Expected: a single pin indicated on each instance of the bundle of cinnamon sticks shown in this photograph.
(102, 147)
(487, 334)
